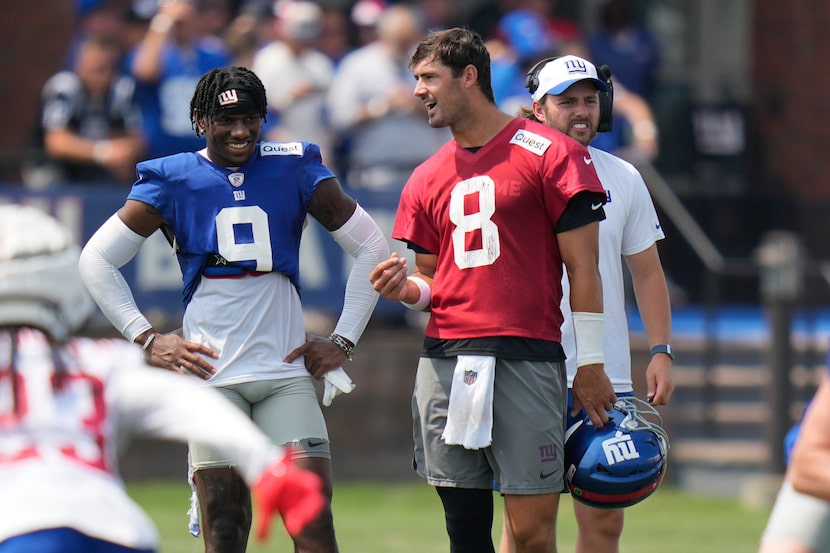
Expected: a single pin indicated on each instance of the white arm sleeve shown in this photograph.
(110, 248)
(361, 237)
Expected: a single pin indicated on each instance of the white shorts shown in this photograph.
(286, 409)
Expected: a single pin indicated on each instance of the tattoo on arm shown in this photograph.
(330, 205)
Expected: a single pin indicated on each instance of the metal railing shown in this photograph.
(782, 270)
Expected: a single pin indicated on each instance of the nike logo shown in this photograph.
(312, 443)
(543, 475)
(594, 207)
(587, 160)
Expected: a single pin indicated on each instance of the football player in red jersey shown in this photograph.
(67, 403)
(493, 217)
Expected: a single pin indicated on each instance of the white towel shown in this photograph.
(336, 382)
(470, 413)
(193, 512)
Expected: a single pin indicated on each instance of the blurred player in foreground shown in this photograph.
(68, 404)
(800, 519)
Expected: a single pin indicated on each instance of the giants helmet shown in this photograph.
(40, 285)
(621, 463)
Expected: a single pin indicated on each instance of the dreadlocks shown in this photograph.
(205, 101)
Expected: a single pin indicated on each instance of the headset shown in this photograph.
(606, 99)
(532, 78)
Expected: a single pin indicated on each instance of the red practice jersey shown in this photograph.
(490, 217)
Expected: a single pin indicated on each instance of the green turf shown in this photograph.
(407, 518)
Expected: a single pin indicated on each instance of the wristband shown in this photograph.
(342, 343)
(663, 348)
(424, 298)
(588, 330)
(148, 345)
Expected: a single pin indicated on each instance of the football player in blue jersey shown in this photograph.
(234, 213)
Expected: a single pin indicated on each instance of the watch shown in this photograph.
(343, 343)
(663, 348)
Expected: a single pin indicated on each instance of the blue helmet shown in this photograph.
(621, 463)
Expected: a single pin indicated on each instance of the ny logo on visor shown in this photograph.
(228, 97)
(576, 66)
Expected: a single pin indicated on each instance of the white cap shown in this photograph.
(557, 75)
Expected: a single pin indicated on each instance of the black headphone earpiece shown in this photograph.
(532, 78)
(606, 100)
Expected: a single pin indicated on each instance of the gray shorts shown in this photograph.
(526, 455)
(286, 409)
(799, 518)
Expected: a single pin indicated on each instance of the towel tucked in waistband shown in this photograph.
(470, 412)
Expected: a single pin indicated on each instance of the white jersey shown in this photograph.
(58, 448)
(631, 226)
(262, 321)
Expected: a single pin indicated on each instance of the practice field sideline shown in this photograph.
(407, 518)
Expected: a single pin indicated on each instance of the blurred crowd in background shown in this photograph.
(336, 73)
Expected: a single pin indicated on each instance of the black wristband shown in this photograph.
(663, 348)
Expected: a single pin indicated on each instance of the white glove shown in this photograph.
(336, 382)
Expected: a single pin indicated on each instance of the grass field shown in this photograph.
(407, 518)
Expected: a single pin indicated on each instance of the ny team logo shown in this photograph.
(576, 66)
(620, 448)
(547, 452)
(228, 97)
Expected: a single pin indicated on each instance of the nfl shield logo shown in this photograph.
(470, 377)
(236, 179)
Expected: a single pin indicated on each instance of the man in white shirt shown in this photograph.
(566, 96)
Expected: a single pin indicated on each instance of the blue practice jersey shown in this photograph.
(232, 222)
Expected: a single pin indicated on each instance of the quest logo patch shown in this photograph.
(281, 149)
(531, 141)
